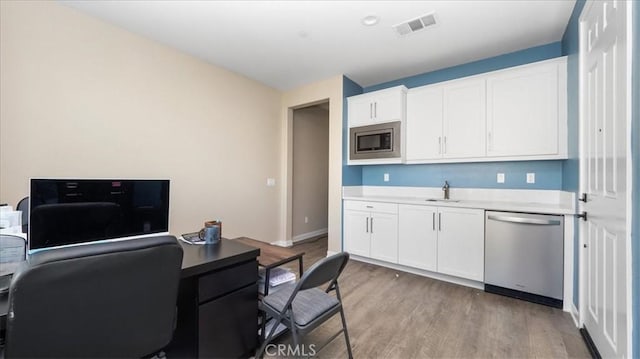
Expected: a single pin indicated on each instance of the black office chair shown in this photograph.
(303, 306)
(115, 300)
(23, 206)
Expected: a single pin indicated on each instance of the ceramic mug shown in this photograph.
(211, 232)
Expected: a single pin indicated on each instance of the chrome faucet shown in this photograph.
(445, 188)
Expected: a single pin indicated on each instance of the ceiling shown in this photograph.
(286, 44)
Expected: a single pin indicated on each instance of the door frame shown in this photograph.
(582, 277)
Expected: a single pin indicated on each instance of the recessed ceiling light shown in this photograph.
(370, 20)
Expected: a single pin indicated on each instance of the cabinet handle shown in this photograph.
(440, 222)
(445, 144)
(439, 145)
(367, 221)
(371, 110)
(371, 224)
(433, 220)
(375, 110)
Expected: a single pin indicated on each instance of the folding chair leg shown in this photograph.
(268, 338)
(346, 333)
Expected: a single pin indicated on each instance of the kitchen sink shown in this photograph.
(442, 200)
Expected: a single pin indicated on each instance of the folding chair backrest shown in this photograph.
(324, 271)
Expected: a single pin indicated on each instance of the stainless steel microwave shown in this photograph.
(375, 141)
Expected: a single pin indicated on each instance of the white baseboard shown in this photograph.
(330, 253)
(308, 235)
(282, 244)
(575, 315)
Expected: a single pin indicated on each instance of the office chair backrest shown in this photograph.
(325, 270)
(12, 248)
(115, 299)
(23, 206)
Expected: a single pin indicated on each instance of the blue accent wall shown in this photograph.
(351, 175)
(571, 168)
(635, 154)
(467, 175)
(533, 54)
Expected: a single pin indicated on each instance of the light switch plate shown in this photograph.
(500, 178)
(386, 177)
(531, 178)
(271, 182)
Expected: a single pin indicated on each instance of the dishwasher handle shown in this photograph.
(512, 219)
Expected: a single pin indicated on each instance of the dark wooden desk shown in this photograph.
(217, 302)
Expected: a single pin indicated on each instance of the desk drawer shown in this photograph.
(227, 280)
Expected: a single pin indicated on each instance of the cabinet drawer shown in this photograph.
(228, 326)
(227, 280)
(371, 206)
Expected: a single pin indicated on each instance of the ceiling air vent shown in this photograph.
(416, 24)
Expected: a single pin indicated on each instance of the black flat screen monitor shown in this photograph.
(68, 211)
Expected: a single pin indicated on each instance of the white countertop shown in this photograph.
(538, 201)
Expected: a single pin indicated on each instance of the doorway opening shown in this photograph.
(310, 172)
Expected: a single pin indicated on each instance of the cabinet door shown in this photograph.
(356, 233)
(388, 106)
(384, 236)
(228, 326)
(522, 112)
(417, 237)
(424, 123)
(461, 242)
(360, 110)
(464, 119)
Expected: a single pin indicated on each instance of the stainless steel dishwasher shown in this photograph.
(524, 256)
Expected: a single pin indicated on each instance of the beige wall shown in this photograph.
(82, 98)
(329, 89)
(310, 171)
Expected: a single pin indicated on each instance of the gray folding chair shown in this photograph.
(303, 306)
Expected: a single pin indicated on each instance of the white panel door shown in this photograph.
(604, 103)
(356, 233)
(464, 119)
(424, 123)
(417, 236)
(384, 236)
(522, 112)
(461, 242)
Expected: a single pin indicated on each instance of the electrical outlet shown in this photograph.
(386, 177)
(531, 178)
(271, 182)
(306, 219)
(500, 178)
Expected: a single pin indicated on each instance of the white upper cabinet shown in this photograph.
(508, 115)
(524, 112)
(464, 119)
(377, 107)
(424, 123)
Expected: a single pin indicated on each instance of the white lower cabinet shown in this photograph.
(371, 230)
(417, 237)
(461, 242)
(442, 239)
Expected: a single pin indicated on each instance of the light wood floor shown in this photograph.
(392, 314)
